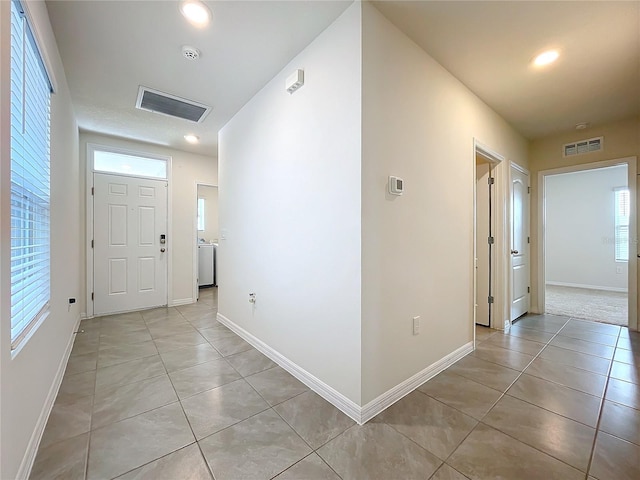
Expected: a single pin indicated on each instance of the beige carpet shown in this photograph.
(595, 305)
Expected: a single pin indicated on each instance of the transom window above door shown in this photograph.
(121, 163)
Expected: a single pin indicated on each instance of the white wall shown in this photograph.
(188, 169)
(29, 380)
(419, 123)
(210, 195)
(290, 211)
(580, 228)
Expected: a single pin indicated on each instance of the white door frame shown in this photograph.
(632, 285)
(500, 221)
(91, 148)
(194, 243)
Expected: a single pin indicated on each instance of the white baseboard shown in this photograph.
(182, 301)
(588, 287)
(34, 442)
(341, 402)
(394, 394)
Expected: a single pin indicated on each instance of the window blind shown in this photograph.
(30, 192)
(622, 211)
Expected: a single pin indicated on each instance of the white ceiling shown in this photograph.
(109, 48)
(489, 45)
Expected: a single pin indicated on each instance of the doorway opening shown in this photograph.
(488, 239)
(206, 238)
(485, 239)
(587, 252)
(587, 244)
(128, 230)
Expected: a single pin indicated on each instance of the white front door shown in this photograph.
(519, 242)
(130, 258)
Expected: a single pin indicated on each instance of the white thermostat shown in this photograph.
(396, 185)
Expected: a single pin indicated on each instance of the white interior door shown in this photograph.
(519, 243)
(130, 259)
(483, 247)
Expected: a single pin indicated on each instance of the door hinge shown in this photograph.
(91, 295)
(492, 180)
(92, 190)
(528, 189)
(490, 240)
(490, 299)
(528, 239)
(91, 243)
(528, 289)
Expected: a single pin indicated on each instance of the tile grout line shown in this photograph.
(503, 395)
(600, 409)
(195, 438)
(548, 343)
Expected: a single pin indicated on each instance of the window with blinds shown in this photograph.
(622, 201)
(30, 197)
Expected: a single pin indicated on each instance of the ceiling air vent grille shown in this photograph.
(166, 104)
(582, 146)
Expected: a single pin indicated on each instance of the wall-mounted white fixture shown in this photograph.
(295, 81)
(252, 298)
(196, 12)
(396, 185)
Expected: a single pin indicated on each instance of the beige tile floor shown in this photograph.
(172, 394)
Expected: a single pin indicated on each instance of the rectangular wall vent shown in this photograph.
(583, 146)
(171, 105)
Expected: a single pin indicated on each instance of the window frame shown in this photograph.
(200, 215)
(618, 192)
(32, 216)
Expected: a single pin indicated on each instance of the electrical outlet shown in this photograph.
(618, 269)
(416, 325)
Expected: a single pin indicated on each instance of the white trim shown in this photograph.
(34, 442)
(632, 182)
(342, 403)
(588, 287)
(391, 396)
(181, 301)
(337, 399)
(170, 300)
(499, 283)
(194, 243)
(92, 147)
(36, 29)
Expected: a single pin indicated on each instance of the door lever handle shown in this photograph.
(514, 252)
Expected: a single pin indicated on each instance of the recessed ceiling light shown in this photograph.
(545, 58)
(192, 138)
(196, 12)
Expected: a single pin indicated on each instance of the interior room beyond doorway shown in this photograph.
(587, 218)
